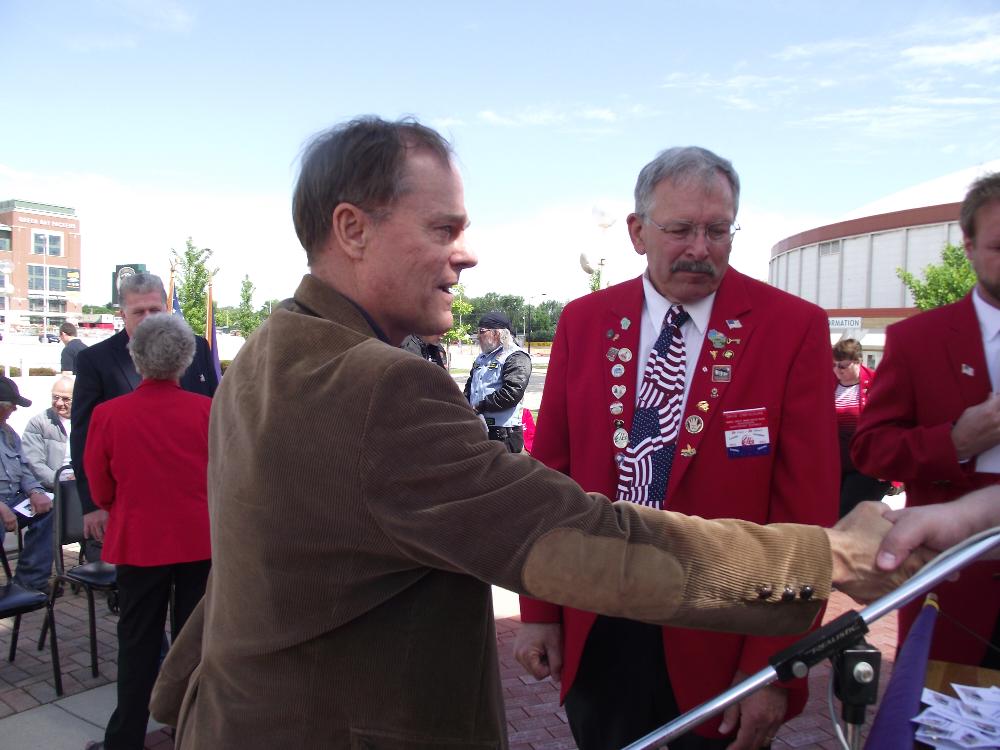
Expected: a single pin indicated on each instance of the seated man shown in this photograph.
(46, 436)
(18, 483)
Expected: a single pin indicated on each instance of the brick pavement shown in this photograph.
(535, 720)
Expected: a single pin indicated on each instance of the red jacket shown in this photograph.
(781, 363)
(933, 369)
(147, 461)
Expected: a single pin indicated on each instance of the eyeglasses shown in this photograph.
(67, 399)
(843, 365)
(486, 330)
(719, 233)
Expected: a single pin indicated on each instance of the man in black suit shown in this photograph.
(105, 370)
(72, 346)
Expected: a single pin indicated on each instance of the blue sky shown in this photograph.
(163, 119)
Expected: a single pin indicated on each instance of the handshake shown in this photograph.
(875, 548)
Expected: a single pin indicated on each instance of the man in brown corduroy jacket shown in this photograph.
(359, 513)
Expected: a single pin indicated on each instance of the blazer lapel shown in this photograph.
(124, 362)
(966, 358)
(619, 351)
(729, 330)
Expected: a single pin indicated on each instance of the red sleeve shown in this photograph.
(890, 443)
(551, 447)
(97, 459)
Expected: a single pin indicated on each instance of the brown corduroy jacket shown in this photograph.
(358, 515)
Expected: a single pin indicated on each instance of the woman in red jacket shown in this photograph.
(850, 394)
(147, 461)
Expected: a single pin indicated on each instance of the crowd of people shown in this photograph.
(349, 559)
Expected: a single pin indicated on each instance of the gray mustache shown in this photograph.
(694, 266)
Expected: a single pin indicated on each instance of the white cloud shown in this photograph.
(561, 116)
(830, 48)
(982, 53)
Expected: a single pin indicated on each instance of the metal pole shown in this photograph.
(920, 583)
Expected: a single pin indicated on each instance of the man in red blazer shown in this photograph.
(933, 422)
(757, 441)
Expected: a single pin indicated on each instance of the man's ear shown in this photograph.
(351, 228)
(635, 227)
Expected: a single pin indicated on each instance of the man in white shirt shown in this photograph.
(933, 422)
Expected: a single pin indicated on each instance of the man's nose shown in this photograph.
(462, 257)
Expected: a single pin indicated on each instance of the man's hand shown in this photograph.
(758, 716)
(978, 429)
(7, 517)
(40, 502)
(94, 523)
(854, 542)
(538, 648)
(939, 526)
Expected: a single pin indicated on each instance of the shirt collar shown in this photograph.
(657, 305)
(989, 316)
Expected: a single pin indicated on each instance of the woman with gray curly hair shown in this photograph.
(146, 459)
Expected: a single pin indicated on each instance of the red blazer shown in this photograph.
(147, 462)
(781, 363)
(933, 369)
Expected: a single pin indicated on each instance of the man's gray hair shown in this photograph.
(683, 163)
(162, 347)
(70, 380)
(141, 283)
(507, 340)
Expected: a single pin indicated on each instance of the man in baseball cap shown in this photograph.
(17, 484)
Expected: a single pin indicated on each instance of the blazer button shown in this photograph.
(788, 595)
(806, 592)
(764, 592)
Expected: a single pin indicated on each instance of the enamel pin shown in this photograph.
(734, 323)
(617, 407)
(694, 424)
(612, 353)
(625, 354)
(617, 371)
(625, 324)
(617, 391)
(967, 370)
(621, 438)
(703, 405)
(687, 451)
(722, 373)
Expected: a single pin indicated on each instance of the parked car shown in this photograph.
(51, 338)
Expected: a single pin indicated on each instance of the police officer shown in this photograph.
(498, 380)
(17, 484)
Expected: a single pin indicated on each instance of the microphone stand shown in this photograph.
(837, 636)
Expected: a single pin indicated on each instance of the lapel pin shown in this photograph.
(703, 405)
(625, 354)
(617, 390)
(735, 323)
(620, 438)
(967, 370)
(718, 340)
(612, 353)
(713, 353)
(617, 408)
(687, 451)
(617, 371)
(728, 354)
(715, 393)
(610, 333)
(626, 323)
(694, 424)
(722, 373)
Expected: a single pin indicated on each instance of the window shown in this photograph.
(3, 280)
(57, 279)
(44, 243)
(829, 248)
(36, 304)
(36, 278)
(3, 303)
(5, 240)
(57, 305)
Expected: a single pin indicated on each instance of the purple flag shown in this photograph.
(892, 728)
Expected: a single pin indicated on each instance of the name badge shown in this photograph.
(746, 433)
(492, 366)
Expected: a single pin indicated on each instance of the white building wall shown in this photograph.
(829, 279)
(855, 281)
(923, 248)
(887, 256)
(794, 263)
(810, 289)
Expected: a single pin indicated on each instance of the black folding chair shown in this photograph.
(91, 577)
(16, 601)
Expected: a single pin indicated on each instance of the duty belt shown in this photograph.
(501, 433)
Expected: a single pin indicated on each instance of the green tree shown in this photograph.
(97, 310)
(944, 283)
(191, 278)
(595, 280)
(246, 318)
(265, 310)
(460, 331)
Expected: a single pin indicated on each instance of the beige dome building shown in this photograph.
(850, 268)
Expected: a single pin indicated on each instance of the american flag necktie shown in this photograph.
(644, 466)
